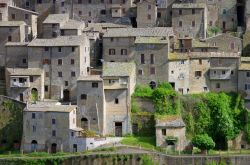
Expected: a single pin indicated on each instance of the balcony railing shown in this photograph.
(19, 84)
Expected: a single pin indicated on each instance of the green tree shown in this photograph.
(203, 142)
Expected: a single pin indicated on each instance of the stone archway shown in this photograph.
(53, 148)
(84, 123)
(34, 94)
(34, 145)
(152, 84)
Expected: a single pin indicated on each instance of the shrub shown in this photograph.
(203, 142)
(143, 91)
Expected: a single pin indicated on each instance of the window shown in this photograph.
(59, 61)
(73, 49)
(111, 51)
(31, 78)
(247, 87)
(232, 72)
(182, 62)
(59, 49)
(46, 88)
(89, 1)
(158, 14)
(217, 85)
(79, 1)
(9, 38)
(62, 4)
(223, 72)
(124, 52)
(27, 3)
(72, 61)
(193, 11)
(53, 133)
(46, 74)
(73, 74)
(83, 97)
(232, 45)
(26, 16)
(205, 88)
(59, 74)
(13, 16)
(248, 74)
(53, 121)
(24, 61)
(200, 61)
(80, 12)
(34, 128)
(224, 11)
(111, 39)
(163, 132)
(152, 70)
(116, 101)
(149, 7)
(94, 85)
(46, 49)
(39, 1)
(103, 12)
(149, 17)
(72, 134)
(66, 83)
(33, 115)
(180, 12)
(140, 72)
(180, 23)
(197, 73)
(142, 59)
(193, 23)
(152, 59)
(62, 32)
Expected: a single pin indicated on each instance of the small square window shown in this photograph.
(59, 62)
(73, 49)
(46, 49)
(46, 88)
(73, 74)
(217, 85)
(83, 97)
(33, 115)
(24, 61)
(72, 61)
(116, 101)
(94, 85)
(59, 74)
(53, 121)
(31, 78)
(53, 133)
(59, 49)
(66, 83)
(163, 132)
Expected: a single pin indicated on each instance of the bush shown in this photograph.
(143, 91)
(165, 85)
(203, 142)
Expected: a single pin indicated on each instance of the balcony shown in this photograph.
(220, 74)
(19, 82)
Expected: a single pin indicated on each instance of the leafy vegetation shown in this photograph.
(143, 91)
(203, 142)
(214, 30)
(144, 142)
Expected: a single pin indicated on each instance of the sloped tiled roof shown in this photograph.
(151, 40)
(118, 69)
(50, 108)
(170, 122)
(24, 71)
(73, 24)
(136, 32)
(56, 18)
(188, 5)
(59, 41)
(12, 23)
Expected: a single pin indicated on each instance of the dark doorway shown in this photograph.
(172, 84)
(21, 97)
(66, 95)
(118, 129)
(74, 147)
(84, 123)
(34, 145)
(53, 148)
(133, 22)
(152, 84)
(224, 25)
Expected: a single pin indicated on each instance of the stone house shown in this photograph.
(147, 47)
(233, 44)
(11, 31)
(51, 127)
(247, 14)
(104, 102)
(23, 84)
(197, 72)
(63, 60)
(171, 133)
(60, 25)
(189, 20)
(244, 77)
(146, 13)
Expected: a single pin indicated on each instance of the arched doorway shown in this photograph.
(34, 94)
(84, 123)
(33, 145)
(152, 84)
(171, 145)
(66, 95)
(53, 148)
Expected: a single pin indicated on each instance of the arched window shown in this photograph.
(84, 123)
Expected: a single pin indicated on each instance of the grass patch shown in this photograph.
(144, 142)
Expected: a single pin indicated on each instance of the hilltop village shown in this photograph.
(76, 65)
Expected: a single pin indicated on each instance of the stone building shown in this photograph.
(60, 25)
(63, 59)
(26, 85)
(197, 72)
(11, 31)
(247, 14)
(51, 127)
(146, 13)
(171, 133)
(189, 20)
(232, 44)
(104, 102)
(244, 78)
(147, 47)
